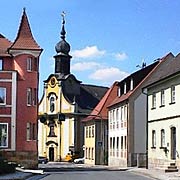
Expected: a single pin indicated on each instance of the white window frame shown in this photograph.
(162, 138)
(162, 97)
(6, 143)
(173, 93)
(154, 100)
(29, 96)
(153, 138)
(29, 64)
(3, 95)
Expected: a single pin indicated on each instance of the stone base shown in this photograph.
(25, 159)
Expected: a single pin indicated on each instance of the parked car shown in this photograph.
(79, 160)
(42, 160)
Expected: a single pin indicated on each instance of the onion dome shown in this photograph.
(63, 47)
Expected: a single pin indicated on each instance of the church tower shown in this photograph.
(19, 76)
(62, 58)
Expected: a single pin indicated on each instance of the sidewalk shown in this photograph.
(158, 174)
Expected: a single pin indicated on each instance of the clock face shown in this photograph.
(53, 82)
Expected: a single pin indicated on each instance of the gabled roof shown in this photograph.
(141, 76)
(89, 97)
(24, 39)
(100, 112)
(169, 66)
(4, 45)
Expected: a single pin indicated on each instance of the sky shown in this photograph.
(108, 39)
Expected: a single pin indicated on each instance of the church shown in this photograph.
(65, 102)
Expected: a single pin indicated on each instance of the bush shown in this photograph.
(7, 167)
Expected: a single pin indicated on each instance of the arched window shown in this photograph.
(52, 103)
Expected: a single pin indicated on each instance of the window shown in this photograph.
(86, 153)
(114, 119)
(86, 131)
(110, 146)
(89, 153)
(125, 88)
(2, 96)
(52, 104)
(3, 135)
(153, 138)
(110, 120)
(51, 128)
(119, 91)
(122, 142)
(29, 64)
(89, 131)
(162, 98)
(172, 94)
(92, 131)
(35, 97)
(154, 100)
(162, 138)
(122, 109)
(34, 132)
(117, 118)
(1, 64)
(92, 154)
(113, 146)
(117, 147)
(28, 131)
(29, 96)
(125, 142)
(131, 84)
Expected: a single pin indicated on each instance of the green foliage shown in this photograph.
(6, 167)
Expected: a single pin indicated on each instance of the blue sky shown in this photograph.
(108, 38)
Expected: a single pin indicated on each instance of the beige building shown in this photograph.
(96, 130)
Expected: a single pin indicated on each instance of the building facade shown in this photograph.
(96, 130)
(164, 114)
(19, 77)
(127, 121)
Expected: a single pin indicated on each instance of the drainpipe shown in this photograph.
(145, 93)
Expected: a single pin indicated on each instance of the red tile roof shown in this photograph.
(4, 45)
(24, 39)
(101, 111)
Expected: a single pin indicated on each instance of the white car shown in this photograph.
(79, 160)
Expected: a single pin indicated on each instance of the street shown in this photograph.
(91, 175)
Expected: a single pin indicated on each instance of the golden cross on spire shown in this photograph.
(63, 17)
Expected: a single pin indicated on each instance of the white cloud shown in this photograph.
(108, 74)
(83, 66)
(88, 52)
(121, 56)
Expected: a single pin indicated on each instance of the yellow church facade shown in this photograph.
(56, 136)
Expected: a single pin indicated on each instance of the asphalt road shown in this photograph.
(91, 175)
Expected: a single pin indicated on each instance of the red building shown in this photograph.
(19, 77)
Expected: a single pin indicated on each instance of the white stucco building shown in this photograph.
(164, 114)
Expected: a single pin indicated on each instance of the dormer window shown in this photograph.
(125, 88)
(131, 84)
(119, 91)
